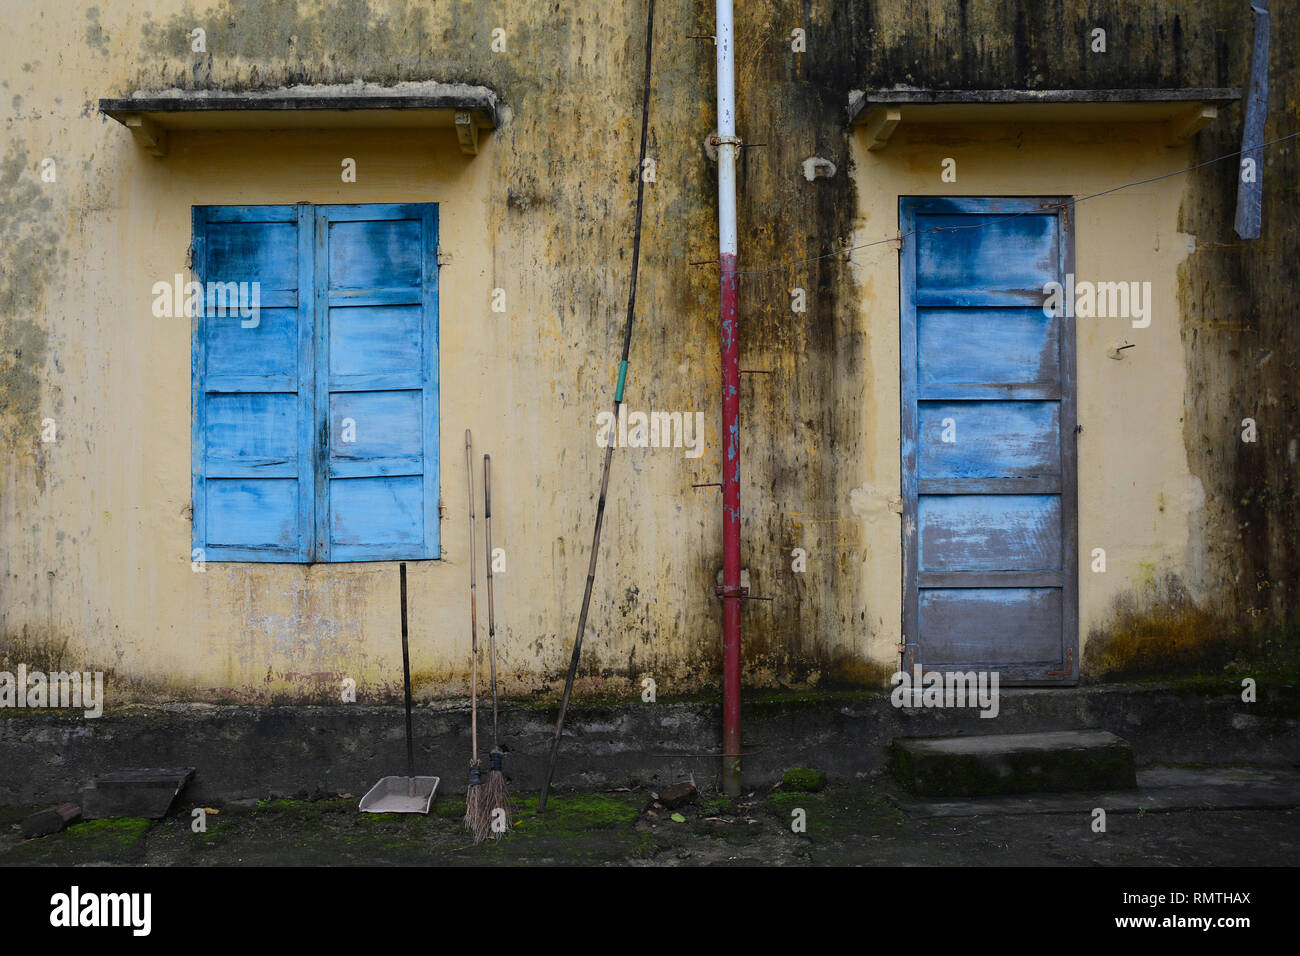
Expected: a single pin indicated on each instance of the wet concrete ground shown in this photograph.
(855, 824)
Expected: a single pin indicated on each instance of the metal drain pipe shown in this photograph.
(731, 592)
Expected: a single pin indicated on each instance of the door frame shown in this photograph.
(1066, 671)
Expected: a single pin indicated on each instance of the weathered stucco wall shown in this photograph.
(94, 539)
(96, 526)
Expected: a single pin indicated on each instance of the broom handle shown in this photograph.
(406, 679)
(473, 610)
(492, 621)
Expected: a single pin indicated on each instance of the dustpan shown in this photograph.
(398, 794)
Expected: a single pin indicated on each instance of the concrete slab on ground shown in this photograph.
(1159, 790)
(145, 792)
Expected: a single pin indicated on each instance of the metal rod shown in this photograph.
(406, 678)
(618, 400)
(492, 618)
(728, 306)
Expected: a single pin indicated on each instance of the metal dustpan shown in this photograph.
(400, 795)
(408, 794)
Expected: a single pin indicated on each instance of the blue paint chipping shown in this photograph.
(315, 430)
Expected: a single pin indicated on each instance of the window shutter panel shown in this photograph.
(377, 382)
(252, 384)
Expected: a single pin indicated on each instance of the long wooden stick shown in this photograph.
(618, 401)
(406, 681)
(492, 620)
(473, 609)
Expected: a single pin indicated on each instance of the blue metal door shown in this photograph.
(988, 439)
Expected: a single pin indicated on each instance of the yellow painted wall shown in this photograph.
(94, 532)
(94, 535)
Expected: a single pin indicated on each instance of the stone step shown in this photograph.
(137, 792)
(1061, 761)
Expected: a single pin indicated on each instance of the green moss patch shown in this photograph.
(578, 812)
(114, 840)
(803, 780)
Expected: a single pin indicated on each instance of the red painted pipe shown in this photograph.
(728, 146)
(731, 592)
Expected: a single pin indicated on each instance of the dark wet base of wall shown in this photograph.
(252, 753)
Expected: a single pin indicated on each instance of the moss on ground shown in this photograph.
(716, 805)
(850, 823)
(116, 840)
(578, 812)
(577, 828)
(834, 814)
(803, 780)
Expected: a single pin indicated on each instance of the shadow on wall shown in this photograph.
(1158, 631)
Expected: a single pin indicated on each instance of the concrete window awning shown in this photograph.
(150, 115)
(1182, 112)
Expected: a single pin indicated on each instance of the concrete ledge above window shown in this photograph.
(426, 105)
(1182, 112)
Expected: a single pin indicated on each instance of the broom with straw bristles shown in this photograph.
(478, 819)
(495, 797)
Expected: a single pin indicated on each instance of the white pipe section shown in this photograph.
(728, 145)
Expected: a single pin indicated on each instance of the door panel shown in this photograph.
(988, 421)
(959, 625)
(989, 439)
(989, 346)
(998, 259)
(989, 532)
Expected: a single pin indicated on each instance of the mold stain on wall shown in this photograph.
(33, 249)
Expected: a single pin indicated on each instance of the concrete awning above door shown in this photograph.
(425, 105)
(1182, 112)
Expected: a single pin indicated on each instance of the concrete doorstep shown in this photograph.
(992, 764)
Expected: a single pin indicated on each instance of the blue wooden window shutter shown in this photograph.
(315, 424)
(377, 382)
